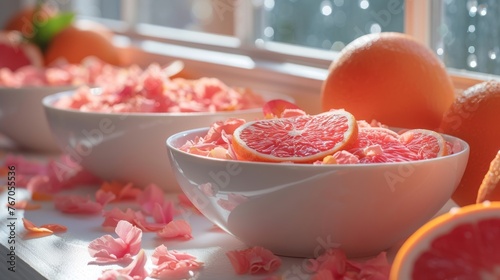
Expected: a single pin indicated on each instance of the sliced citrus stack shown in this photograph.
(378, 144)
(301, 139)
(425, 143)
(490, 189)
(462, 244)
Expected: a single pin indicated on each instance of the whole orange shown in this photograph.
(474, 117)
(23, 20)
(76, 43)
(389, 77)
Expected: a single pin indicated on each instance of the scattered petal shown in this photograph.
(120, 190)
(43, 229)
(29, 226)
(253, 260)
(163, 213)
(333, 264)
(104, 197)
(149, 197)
(76, 204)
(176, 228)
(41, 196)
(136, 218)
(134, 271)
(56, 228)
(107, 249)
(173, 264)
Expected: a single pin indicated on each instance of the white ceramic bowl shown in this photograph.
(22, 118)
(128, 147)
(301, 209)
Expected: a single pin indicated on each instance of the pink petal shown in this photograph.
(163, 213)
(131, 235)
(149, 197)
(112, 217)
(176, 228)
(333, 264)
(107, 249)
(254, 260)
(104, 197)
(76, 204)
(29, 226)
(173, 264)
(134, 271)
(137, 218)
(375, 268)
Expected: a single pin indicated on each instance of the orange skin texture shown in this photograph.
(75, 43)
(474, 118)
(428, 229)
(489, 189)
(389, 77)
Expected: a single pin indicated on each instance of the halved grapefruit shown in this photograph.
(461, 244)
(15, 52)
(301, 139)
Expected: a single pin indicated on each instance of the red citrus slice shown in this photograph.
(378, 144)
(301, 139)
(276, 107)
(490, 187)
(462, 244)
(425, 143)
(16, 53)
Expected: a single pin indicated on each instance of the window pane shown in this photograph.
(328, 24)
(468, 37)
(214, 16)
(110, 9)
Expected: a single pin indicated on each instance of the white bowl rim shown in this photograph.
(49, 100)
(171, 138)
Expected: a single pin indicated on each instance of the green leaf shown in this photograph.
(46, 30)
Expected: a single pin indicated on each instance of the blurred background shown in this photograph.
(464, 32)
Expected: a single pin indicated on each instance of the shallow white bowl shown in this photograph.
(22, 117)
(301, 209)
(129, 147)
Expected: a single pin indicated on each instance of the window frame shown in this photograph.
(273, 55)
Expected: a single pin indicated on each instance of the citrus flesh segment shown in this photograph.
(425, 143)
(489, 188)
(378, 144)
(301, 139)
(461, 244)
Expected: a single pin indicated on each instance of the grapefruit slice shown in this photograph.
(378, 145)
(16, 53)
(489, 188)
(461, 244)
(425, 143)
(301, 139)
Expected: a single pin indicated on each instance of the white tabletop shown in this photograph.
(65, 255)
